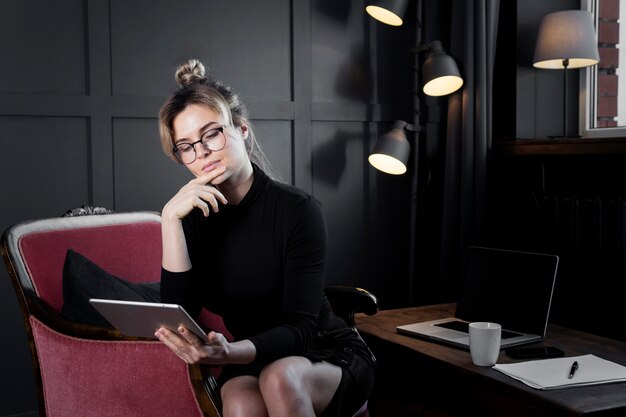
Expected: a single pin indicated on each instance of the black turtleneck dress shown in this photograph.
(260, 265)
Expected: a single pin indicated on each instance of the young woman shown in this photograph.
(252, 250)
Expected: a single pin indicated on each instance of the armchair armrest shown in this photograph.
(201, 378)
(347, 301)
(50, 317)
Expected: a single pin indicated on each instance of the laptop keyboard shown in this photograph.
(462, 326)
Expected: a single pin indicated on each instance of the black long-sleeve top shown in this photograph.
(260, 265)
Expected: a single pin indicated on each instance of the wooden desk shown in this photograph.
(439, 376)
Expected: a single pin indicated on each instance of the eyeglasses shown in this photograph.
(212, 140)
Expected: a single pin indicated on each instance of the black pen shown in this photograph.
(573, 369)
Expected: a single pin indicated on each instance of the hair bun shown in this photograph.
(189, 73)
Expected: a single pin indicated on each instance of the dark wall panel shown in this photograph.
(357, 60)
(367, 238)
(250, 51)
(341, 69)
(276, 140)
(40, 55)
(338, 183)
(45, 166)
(145, 178)
(143, 61)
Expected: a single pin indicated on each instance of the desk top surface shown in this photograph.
(577, 401)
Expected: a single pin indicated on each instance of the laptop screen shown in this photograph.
(511, 288)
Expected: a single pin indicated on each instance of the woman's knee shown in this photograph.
(282, 375)
(282, 381)
(241, 398)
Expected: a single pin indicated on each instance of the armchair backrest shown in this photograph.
(127, 245)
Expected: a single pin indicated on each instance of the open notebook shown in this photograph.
(508, 287)
(556, 373)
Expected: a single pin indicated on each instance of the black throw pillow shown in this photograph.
(83, 279)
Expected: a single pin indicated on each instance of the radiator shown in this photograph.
(580, 227)
(589, 235)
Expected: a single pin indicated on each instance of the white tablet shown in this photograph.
(141, 319)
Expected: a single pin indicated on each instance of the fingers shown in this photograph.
(177, 344)
(192, 349)
(203, 200)
(210, 176)
(195, 195)
(215, 193)
(191, 338)
(169, 339)
(216, 338)
(211, 196)
(202, 205)
(200, 187)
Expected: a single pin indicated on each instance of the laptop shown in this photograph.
(512, 288)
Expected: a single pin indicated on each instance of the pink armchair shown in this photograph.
(83, 370)
(86, 370)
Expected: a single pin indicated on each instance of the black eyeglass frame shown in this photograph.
(193, 146)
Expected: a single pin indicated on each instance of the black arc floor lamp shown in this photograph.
(440, 77)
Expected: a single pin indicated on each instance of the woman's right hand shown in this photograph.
(217, 351)
(196, 193)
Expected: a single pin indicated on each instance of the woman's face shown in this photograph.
(197, 121)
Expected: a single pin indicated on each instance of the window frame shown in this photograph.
(588, 94)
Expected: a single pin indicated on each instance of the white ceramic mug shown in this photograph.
(484, 338)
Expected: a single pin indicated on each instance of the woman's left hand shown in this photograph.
(192, 349)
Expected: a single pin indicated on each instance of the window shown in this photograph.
(603, 86)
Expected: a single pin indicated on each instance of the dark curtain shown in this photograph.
(472, 40)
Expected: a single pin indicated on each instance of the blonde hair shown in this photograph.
(196, 88)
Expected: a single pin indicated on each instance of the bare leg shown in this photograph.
(294, 386)
(241, 397)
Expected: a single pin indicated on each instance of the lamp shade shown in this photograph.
(440, 72)
(566, 35)
(391, 152)
(390, 12)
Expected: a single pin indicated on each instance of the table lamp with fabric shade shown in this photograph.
(566, 40)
